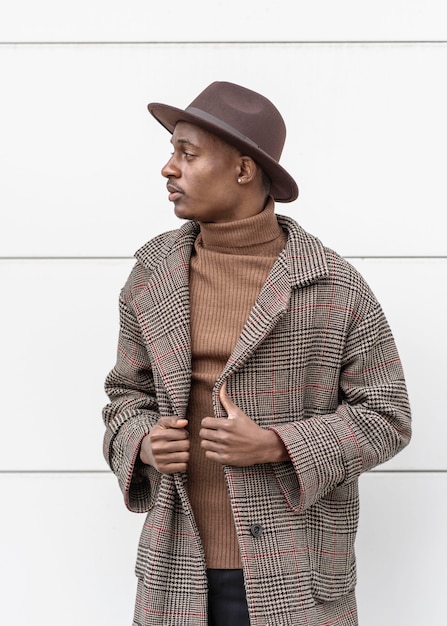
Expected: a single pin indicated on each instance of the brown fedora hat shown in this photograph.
(242, 118)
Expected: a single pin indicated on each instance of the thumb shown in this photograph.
(227, 402)
(172, 421)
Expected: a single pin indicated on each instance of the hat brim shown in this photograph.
(283, 186)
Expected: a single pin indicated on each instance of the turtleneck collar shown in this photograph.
(241, 236)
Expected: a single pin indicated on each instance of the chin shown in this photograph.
(183, 213)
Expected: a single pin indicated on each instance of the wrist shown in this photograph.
(275, 449)
(145, 454)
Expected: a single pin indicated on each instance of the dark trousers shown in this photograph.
(227, 604)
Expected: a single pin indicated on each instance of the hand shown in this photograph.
(238, 440)
(166, 447)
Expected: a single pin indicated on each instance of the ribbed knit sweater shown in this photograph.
(229, 265)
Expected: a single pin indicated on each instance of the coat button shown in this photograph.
(256, 530)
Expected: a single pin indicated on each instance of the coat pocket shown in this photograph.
(331, 529)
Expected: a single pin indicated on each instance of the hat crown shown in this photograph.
(251, 114)
(244, 119)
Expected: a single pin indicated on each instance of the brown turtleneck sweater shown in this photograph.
(229, 265)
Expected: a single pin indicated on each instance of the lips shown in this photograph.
(174, 192)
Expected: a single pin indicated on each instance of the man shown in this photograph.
(256, 379)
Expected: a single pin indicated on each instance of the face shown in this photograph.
(202, 176)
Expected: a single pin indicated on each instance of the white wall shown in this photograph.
(362, 88)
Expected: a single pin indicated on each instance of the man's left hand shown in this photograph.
(238, 440)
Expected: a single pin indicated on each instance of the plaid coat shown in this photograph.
(316, 362)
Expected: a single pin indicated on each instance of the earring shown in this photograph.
(239, 180)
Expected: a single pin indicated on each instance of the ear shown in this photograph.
(247, 169)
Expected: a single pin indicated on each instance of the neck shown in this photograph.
(245, 236)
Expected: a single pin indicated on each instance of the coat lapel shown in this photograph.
(163, 311)
(269, 307)
(303, 261)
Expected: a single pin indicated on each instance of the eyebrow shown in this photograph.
(184, 141)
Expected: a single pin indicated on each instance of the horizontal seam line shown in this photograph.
(129, 258)
(66, 258)
(109, 472)
(54, 471)
(355, 42)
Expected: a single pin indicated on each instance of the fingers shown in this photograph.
(217, 435)
(166, 447)
(171, 421)
(237, 440)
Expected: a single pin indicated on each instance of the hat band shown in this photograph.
(215, 121)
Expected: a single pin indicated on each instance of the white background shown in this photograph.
(362, 88)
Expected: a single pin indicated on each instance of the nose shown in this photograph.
(170, 168)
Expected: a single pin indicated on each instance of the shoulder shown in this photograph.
(324, 266)
(343, 274)
(156, 249)
(160, 249)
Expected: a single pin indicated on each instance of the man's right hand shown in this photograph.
(166, 447)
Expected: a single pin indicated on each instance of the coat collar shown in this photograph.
(304, 254)
(303, 258)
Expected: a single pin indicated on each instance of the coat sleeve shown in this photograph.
(130, 414)
(370, 425)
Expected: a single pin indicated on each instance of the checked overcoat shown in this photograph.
(316, 362)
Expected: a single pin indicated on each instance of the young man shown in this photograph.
(256, 379)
